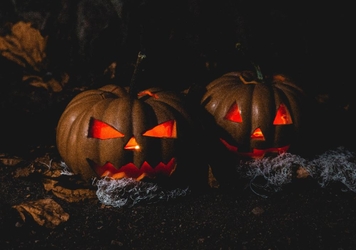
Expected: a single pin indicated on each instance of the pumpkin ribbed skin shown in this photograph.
(131, 116)
(258, 103)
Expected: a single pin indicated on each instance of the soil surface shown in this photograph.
(302, 215)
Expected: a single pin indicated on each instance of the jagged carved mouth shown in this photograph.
(255, 153)
(130, 170)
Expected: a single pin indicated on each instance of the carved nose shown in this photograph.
(132, 144)
(258, 135)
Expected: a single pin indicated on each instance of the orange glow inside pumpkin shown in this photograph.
(101, 130)
(283, 116)
(234, 114)
(147, 92)
(257, 135)
(229, 146)
(132, 144)
(255, 153)
(130, 170)
(166, 129)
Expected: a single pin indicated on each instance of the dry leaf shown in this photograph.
(51, 84)
(302, 173)
(25, 46)
(53, 173)
(46, 160)
(54, 169)
(258, 211)
(10, 161)
(110, 70)
(213, 183)
(70, 195)
(45, 212)
(24, 171)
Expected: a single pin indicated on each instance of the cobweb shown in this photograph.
(273, 173)
(334, 166)
(129, 192)
(268, 174)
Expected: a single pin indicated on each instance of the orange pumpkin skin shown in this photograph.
(106, 132)
(255, 118)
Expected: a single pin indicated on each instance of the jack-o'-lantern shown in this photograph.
(107, 132)
(256, 117)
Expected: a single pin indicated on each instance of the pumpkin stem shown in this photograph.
(257, 68)
(137, 71)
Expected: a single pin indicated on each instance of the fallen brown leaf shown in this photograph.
(53, 173)
(54, 181)
(45, 212)
(213, 183)
(110, 70)
(24, 46)
(53, 169)
(67, 194)
(24, 171)
(55, 85)
(258, 211)
(10, 161)
(302, 173)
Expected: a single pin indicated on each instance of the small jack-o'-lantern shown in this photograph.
(257, 117)
(108, 132)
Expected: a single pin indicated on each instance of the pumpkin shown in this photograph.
(109, 132)
(255, 117)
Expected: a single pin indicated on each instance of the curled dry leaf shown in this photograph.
(53, 173)
(10, 161)
(55, 85)
(258, 211)
(52, 182)
(213, 183)
(20, 171)
(67, 194)
(45, 212)
(110, 70)
(24, 171)
(47, 161)
(24, 46)
(302, 173)
(54, 169)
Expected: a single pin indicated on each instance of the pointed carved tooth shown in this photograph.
(166, 169)
(101, 170)
(131, 171)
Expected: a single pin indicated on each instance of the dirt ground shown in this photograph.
(301, 215)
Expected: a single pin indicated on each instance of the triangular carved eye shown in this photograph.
(234, 114)
(166, 129)
(283, 116)
(101, 130)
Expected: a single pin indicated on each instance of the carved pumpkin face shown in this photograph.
(106, 132)
(255, 118)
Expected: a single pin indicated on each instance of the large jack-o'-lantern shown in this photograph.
(256, 116)
(119, 132)
(106, 132)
